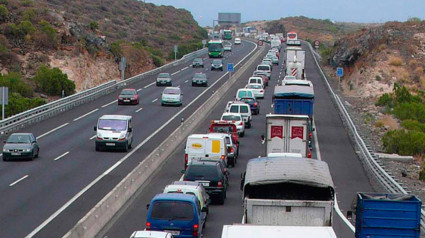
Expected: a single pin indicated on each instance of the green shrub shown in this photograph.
(185, 49)
(53, 81)
(153, 51)
(26, 3)
(413, 125)
(48, 29)
(116, 49)
(29, 15)
(26, 27)
(404, 142)
(422, 172)
(15, 84)
(4, 13)
(385, 100)
(157, 61)
(325, 52)
(175, 37)
(415, 111)
(93, 25)
(18, 104)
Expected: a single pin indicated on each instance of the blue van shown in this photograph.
(176, 213)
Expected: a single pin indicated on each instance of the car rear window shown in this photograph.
(231, 118)
(234, 108)
(164, 75)
(216, 62)
(263, 67)
(172, 210)
(254, 86)
(172, 91)
(201, 172)
(222, 129)
(244, 109)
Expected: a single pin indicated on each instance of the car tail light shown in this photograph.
(255, 104)
(220, 184)
(309, 155)
(195, 230)
(121, 139)
(99, 138)
(262, 91)
(222, 157)
(241, 123)
(310, 135)
(232, 150)
(186, 160)
(148, 225)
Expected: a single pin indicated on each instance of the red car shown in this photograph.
(225, 127)
(128, 96)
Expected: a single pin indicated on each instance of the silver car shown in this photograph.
(164, 79)
(172, 96)
(21, 146)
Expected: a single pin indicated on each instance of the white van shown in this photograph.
(244, 93)
(208, 146)
(243, 109)
(190, 187)
(266, 68)
(255, 79)
(114, 131)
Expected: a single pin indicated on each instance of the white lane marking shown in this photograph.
(184, 68)
(67, 204)
(109, 103)
(138, 90)
(138, 110)
(60, 157)
(156, 99)
(186, 81)
(91, 138)
(176, 72)
(19, 180)
(181, 178)
(147, 86)
(57, 128)
(78, 118)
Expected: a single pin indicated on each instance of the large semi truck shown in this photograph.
(295, 62)
(287, 192)
(292, 39)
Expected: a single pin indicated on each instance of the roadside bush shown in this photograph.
(396, 61)
(4, 13)
(422, 172)
(15, 84)
(53, 81)
(157, 61)
(413, 125)
(116, 49)
(404, 142)
(18, 104)
(185, 49)
(93, 25)
(415, 111)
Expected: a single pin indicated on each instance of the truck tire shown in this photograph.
(242, 134)
(220, 199)
(97, 147)
(126, 147)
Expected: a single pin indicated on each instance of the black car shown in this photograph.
(198, 62)
(253, 104)
(217, 64)
(21, 146)
(200, 79)
(211, 175)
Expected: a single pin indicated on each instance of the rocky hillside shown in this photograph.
(326, 31)
(86, 39)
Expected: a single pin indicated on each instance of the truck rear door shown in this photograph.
(297, 132)
(276, 141)
(196, 148)
(214, 148)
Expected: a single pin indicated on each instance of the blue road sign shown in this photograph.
(339, 72)
(230, 67)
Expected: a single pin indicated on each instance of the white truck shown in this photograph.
(258, 231)
(287, 192)
(275, 43)
(288, 134)
(295, 62)
(292, 38)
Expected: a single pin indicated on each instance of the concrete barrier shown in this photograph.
(93, 222)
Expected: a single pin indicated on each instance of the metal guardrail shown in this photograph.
(366, 153)
(51, 109)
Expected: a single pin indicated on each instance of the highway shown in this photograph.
(47, 196)
(335, 148)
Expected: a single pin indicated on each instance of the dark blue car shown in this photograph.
(253, 104)
(176, 213)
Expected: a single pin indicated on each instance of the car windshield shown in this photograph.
(173, 91)
(289, 77)
(222, 129)
(215, 47)
(172, 210)
(200, 76)
(128, 92)
(263, 67)
(201, 172)
(216, 61)
(112, 124)
(243, 94)
(254, 86)
(231, 118)
(244, 109)
(197, 60)
(164, 75)
(19, 139)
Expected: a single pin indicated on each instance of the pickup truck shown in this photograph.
(256, 231)
(287, 192)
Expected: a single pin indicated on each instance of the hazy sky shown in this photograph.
(204, 11)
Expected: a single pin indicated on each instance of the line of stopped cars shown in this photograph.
(183, 212)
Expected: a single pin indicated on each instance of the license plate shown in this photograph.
(110, 144)
(174, 233)
(205, 184)
(126, 100)
(16, 153)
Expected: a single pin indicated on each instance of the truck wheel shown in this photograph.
(126, 147)
(242, 134)
(97, 147)
(220, 199)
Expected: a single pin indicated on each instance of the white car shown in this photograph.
(289, 77)
(238, 41)
(245, 111)
(151, 234)
(257, 89)
(172, 96)
(244, 93)
(237, 119)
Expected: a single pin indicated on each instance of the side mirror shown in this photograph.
(95, 128)
(147, 206)
(130, 129)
